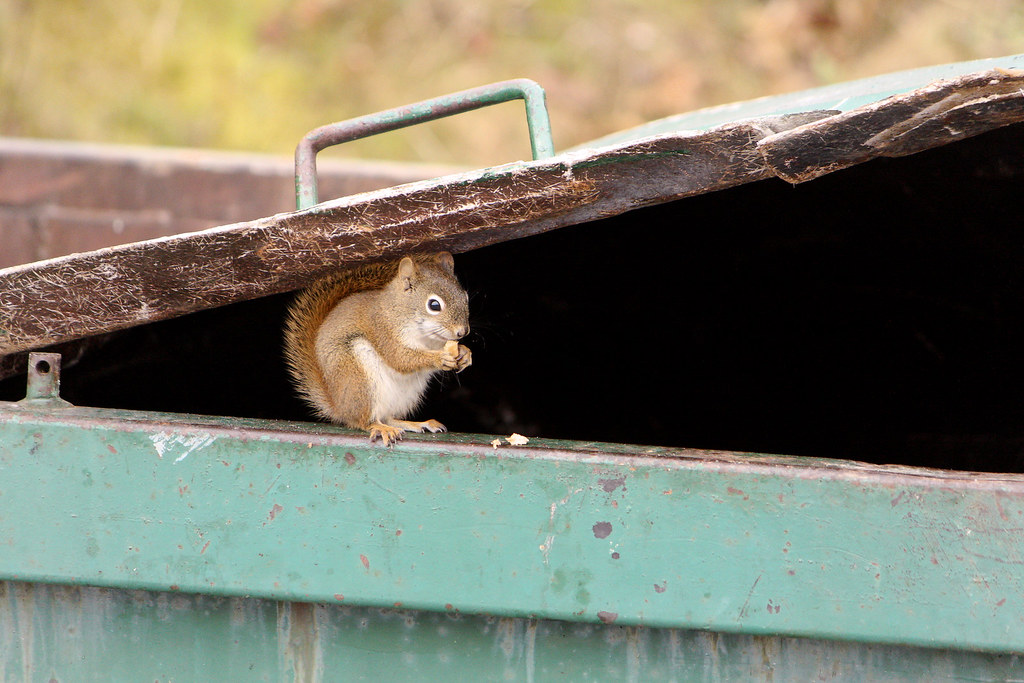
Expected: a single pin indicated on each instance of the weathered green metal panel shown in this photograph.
(585, 532)
(845, 96)
(60, 633)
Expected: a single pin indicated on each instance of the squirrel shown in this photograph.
(362, 345)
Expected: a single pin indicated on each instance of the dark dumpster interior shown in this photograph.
(876, 314)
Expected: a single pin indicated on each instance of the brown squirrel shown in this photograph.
(362, 345)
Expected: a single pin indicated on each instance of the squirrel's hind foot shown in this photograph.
(391, 433)
(432, 426)
(387, 434)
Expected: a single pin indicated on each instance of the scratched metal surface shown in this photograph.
(61, 633)
(594, 533)
(843, 97)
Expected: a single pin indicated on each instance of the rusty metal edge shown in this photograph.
(481, 446)
(95, 292)
(940, 113)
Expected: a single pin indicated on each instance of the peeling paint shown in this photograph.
(609, 485)
(170, 442)
(273, 512)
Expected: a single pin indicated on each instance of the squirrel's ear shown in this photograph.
(445, 260)
(406, 272)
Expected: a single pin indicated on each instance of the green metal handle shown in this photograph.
(427, 110)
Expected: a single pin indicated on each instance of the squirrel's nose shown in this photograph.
(461, 331)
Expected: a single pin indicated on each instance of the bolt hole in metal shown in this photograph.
(44, 379)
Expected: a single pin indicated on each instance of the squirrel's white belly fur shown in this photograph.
(395, 394)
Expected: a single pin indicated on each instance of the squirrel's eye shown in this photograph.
(435, 304)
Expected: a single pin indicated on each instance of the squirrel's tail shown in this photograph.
(305, 316)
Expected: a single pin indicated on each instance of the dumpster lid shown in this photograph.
(795, 137)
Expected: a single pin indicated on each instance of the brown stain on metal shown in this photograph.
(737, 492)
(366, 562)
(607, 617)
(301, 640)
(661, 588)
(350, 459)
(273, 512)
(999, 506)
(767, 667)
(602, 529)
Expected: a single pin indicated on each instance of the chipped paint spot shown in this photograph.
(545, 548)
(366, 562)
(607, 617)
(661, 588)
(273, 512)
(350, 459)
(602, 529)
(339, 597)
(169, 442)
(193, 443)
(609, 485)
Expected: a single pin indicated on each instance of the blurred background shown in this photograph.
(255, 75)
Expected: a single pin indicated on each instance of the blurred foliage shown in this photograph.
(257, 74)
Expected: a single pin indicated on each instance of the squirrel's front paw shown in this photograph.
(464, 359)
(456, 356)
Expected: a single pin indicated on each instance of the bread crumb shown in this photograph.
(517, 440)
(496, 443)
